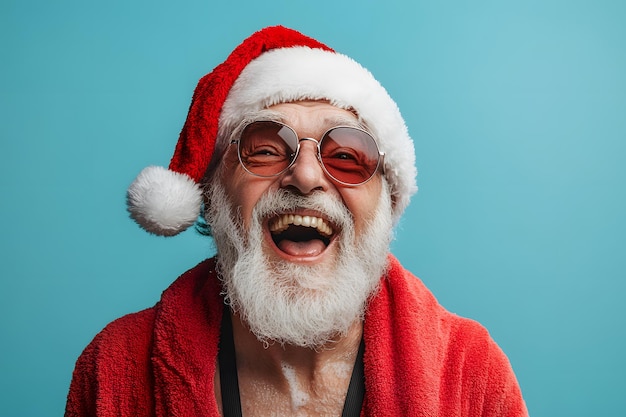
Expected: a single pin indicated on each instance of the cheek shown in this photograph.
(244, 191)
(363, 202)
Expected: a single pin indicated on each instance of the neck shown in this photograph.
(299, 380)
(252, 353)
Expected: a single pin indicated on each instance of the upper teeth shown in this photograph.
(281, 223)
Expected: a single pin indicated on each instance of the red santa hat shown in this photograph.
(274, 65)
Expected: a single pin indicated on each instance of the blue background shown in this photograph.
(518, 111)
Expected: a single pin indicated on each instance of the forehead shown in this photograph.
(312, 115)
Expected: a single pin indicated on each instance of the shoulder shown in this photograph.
(413, 300)
(113, 375)
(469, 358)
(122, 347)
(130, 333)
(114, 365)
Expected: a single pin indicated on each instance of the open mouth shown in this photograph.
(299, 235)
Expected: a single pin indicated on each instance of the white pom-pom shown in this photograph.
(164, 202)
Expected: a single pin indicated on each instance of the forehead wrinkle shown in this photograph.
(328, 121)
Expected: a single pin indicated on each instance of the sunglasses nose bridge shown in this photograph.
(298, 151)
(317, 142)
(305, 171)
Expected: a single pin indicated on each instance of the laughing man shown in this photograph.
(300, 164)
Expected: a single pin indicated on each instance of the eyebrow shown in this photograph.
(263, 115)
(345, 121)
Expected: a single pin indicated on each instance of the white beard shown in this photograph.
(295, 304)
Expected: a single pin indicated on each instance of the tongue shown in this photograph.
(311, 247)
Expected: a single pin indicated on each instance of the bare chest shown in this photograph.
(293, 398)
(290, 394)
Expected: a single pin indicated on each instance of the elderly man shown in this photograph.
(301, 165)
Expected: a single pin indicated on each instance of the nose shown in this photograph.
(306, 174)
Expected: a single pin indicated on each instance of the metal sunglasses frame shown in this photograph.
(379, 163)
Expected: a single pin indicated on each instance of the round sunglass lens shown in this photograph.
(266, 148)
(349, 155)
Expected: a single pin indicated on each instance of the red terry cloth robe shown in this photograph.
(420, 360)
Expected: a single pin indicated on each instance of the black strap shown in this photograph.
(229, 383)
(356, 389)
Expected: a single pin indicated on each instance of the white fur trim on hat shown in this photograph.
(301, 73)
(164, 202)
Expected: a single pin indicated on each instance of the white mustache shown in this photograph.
(276, 202)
